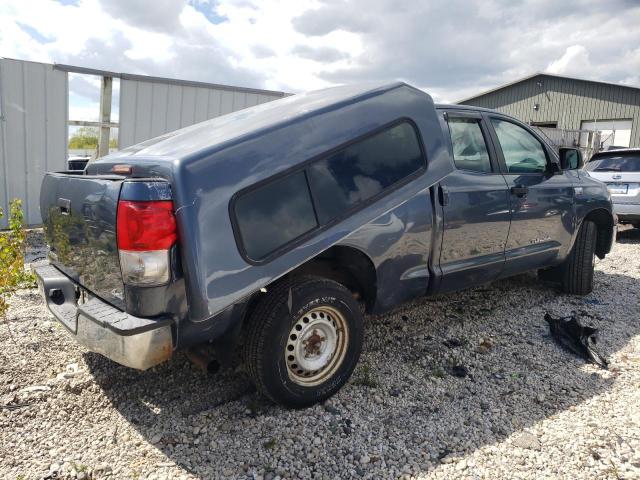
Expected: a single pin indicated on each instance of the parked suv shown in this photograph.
(272, 228)
(620, 170)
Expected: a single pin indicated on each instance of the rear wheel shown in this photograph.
(577, 270)
(303, 341)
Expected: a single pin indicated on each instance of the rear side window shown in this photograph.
(469, 146)
(363, 170)
(274, 214)
(615, 163)
(523, 153)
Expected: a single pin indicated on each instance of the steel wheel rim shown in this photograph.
(316, 346)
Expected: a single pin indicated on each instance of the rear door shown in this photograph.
(475, 206)
(542, 211)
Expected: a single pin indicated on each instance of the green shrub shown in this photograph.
(12, 249)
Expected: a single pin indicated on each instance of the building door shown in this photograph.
(614, 133)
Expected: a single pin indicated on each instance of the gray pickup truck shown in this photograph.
(270, 231)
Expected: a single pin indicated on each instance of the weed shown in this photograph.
(365, 378)
(270, 444)
(12, 250)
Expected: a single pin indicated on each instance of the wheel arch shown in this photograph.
(348, 266)
(605, 224)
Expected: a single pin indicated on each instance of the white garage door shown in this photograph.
(614, 132)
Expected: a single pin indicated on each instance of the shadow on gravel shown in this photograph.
(629, 235)
(402, 395)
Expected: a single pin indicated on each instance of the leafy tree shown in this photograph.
(86, 138)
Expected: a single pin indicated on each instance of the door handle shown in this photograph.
(444, 196)
(519, 191)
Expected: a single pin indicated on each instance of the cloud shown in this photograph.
(329, 18)
(159, 15)
(575, 58)
(260, 51)
(455, 48)
(450, 48)
(319, 54)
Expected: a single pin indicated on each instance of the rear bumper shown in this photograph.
(627, 212)
(131, 341)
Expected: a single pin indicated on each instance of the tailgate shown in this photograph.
(79, 216)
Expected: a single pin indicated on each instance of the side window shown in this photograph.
(523, 153)
(274, 214)
(363, 170)
(469, 146)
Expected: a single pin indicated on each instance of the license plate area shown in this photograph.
(618, 188)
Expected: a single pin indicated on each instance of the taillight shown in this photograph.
(145, 232)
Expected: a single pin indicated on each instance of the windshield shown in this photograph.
(618, 163)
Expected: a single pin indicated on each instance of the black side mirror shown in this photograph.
(571, 158)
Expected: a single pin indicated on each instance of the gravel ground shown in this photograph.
(467, 385)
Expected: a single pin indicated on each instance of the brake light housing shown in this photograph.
(145, 232)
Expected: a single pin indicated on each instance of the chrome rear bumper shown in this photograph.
(131, 341)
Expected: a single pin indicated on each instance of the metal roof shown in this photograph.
(174, 81)
(542, 74)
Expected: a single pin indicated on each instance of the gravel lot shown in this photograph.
(525, 408)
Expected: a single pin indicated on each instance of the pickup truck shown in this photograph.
(272, 230)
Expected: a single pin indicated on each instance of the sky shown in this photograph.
(452, 49)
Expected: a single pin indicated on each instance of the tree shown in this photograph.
(86, 138)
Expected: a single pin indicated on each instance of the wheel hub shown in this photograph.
(316, 346)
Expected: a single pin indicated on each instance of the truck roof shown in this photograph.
(454, 106)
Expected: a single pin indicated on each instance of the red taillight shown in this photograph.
(146, 225)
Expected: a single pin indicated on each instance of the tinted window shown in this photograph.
(274, 214)
(523, 153)
(469, 147)
(616, 163)
(363, 170)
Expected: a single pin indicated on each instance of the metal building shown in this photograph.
(34, 118)
(571, 104)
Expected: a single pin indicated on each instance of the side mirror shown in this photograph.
(571, 158)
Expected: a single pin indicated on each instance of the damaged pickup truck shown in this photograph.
(274, 228)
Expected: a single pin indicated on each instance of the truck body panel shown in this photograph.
(441, 227)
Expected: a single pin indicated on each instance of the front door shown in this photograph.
(542, 213)
(475, 207)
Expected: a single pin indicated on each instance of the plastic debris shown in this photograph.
(452, 343)
(579, 339)
(459, 371)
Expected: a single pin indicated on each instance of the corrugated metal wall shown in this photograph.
(149, 108)
(566, 101)
(33, 131)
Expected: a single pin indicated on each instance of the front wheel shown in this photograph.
(303, 341)
(577, 271)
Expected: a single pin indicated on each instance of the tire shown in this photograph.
(577, 271)
(323, 317)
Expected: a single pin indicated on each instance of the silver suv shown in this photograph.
(620, 170)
